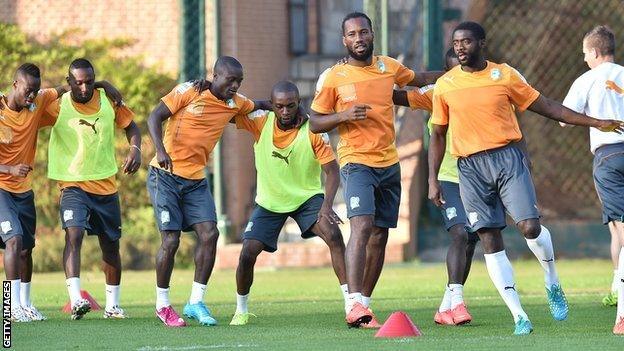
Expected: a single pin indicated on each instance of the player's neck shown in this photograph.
(216, 93)
(284, 127)
(603, 59)
(359, 63)
(10, 102)
(480, 65)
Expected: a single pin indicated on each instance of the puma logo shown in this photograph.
(610, 85)
(82, 122)
(513, 287)
(549, 260)
(278, 155)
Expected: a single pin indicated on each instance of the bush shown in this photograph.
(142, 87)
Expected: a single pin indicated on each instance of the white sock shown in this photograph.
(542, 248)
(366, 301)
(615, 281)
(162, 298)
(446, 300)
(620, 305)
(73, 287)
(345, 291)
(197, 292)
(15, 293)
(457, 294)
(112, 296)
(352, 299)
(241, 303)
(501, 273)
(25, 294)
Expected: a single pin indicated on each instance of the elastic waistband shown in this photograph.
(492, 151)
(609, 148)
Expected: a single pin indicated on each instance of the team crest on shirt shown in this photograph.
(347, 93)
(451, 213)
(495, 74)
(231, 103)
(32, 107)
(381, 66)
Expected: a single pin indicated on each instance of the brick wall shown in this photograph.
(154, 24)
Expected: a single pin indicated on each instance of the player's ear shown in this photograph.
(344, 43)
(482, 43)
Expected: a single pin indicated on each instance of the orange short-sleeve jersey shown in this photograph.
(123, 118)
(421, 98)
(479, 107)
(196, 124)
(369, 141)
(254, 123)
(18, 138)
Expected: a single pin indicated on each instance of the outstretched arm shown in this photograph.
(110, 90)
(154, 124)
(437, 146)
(552, 109)
(322, 123)
(399, 98)
(133, 160)
(425, 78)
(332, 181)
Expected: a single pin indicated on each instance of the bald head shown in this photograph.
(285, 87)
(285, 101)
(227, 64)
(227, 77)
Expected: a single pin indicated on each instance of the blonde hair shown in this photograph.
(602, 39)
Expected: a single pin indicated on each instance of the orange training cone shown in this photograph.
(85, 295)
(398, 325)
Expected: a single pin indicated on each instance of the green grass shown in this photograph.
(303, 310)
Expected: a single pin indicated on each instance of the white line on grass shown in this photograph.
(194, 347)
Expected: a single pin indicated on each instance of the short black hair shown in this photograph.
(285, 86)
(28, 69)
(353, 15)
(227, 62)
(475, 28)
(81, 63)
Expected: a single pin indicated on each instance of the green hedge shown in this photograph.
(142, 88)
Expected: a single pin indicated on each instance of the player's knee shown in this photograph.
(378, 240)
(208, 237)
(530, 228)
(335, 238)
(14, 244)
(247, 257)
(26, 254)
(170, 242)
(74, 242)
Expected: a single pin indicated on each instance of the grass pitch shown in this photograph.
(303, 310)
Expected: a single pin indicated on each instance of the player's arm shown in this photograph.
(437, 146)
(552, 109)
(399, 98)
(133, 160)
(154, 125)
(111, 91)
(425, 78)
(332, 181)
(323, 123)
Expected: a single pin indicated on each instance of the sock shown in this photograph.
(197, 293)
(457, 294)
(25, 294)
(345, 291)
(620, 305)
(112, 296)
(15, 293)
(73, 287)
(241, 303)
(542, 248)
(446, 300)
(366, 301)
(501, 273)
(162, 298)
(352, 299)
(615, 281)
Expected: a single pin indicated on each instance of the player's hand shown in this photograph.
(611, 125)
(356, 112)
(302, 116)
(201, 84)
(343, 61)
(164, 161)
(435, 193)
(327, 212)
(20, 170)
(111, 92)
(132, 162)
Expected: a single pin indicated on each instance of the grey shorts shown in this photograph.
(98, 214)
(265, 226)
(609, 181)
(452, 210)
(494, 181)
(179, 203)
(372, 191)
(18, 217)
